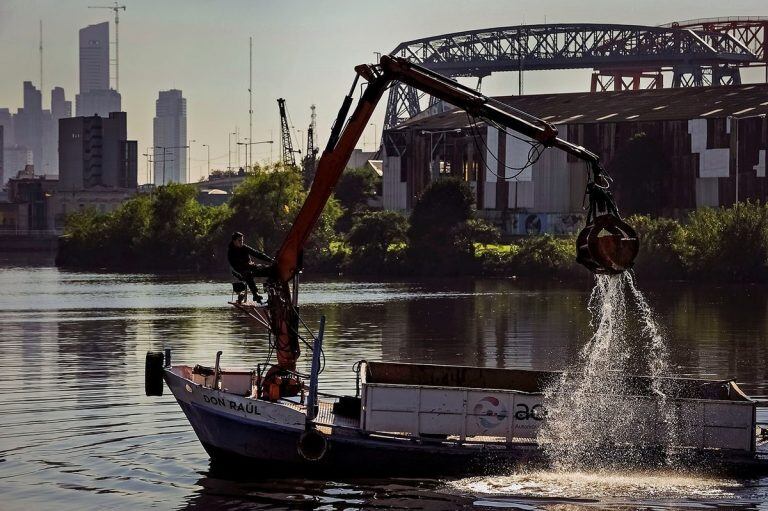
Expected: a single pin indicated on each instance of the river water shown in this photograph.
(77, 431)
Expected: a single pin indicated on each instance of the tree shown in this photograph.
(265, 205)
(354, 189)
(466, 234)
(375, 231)
(444, 205)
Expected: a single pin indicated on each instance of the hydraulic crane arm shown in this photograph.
(344, 137)
(341, 143)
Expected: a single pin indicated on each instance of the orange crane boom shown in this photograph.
(609, 249)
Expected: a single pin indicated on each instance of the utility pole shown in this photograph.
(150, 179)
(115, 8)
(165, 150)
(249, 143)
(229, 150)
(189, 159)
(208, 172)
(237, 142)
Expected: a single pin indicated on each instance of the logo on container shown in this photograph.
(491, 412)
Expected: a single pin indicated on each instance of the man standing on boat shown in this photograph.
(239, 256)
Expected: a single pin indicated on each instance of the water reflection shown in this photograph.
(78, 430)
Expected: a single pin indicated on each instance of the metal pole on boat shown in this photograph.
(317, 349)
(217, 370)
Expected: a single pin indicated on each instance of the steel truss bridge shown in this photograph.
(623, 57)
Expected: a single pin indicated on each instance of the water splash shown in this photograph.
(601, 485)
(611, 409)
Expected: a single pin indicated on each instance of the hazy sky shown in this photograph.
(303, 50)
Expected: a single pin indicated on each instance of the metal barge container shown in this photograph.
(508, 405)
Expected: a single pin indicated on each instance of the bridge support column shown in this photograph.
(626, 79)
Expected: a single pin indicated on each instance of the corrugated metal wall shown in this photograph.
(693, 166)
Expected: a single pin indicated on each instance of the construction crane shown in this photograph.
(310, 160)
(115, 8)
(289, 158)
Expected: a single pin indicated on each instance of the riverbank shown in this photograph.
(170, 232)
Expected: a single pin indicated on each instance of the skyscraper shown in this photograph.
(95, 98)
(170, 137)
(28, 124)
(60, 107)
(2, 156)
(94, 57)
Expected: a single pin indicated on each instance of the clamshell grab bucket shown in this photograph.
(607, 245)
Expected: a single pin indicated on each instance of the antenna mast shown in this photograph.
(250, 93)
(41, 59)
(115, 8)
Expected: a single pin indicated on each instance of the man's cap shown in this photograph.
(236, 235)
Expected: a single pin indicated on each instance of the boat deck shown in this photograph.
(325, 416)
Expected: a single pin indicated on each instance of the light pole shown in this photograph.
(229, 150)
(375, 147)
(208, 172)
(150, 177)
(165, 150)
(246, 144)
(299, 132)
(189, 158)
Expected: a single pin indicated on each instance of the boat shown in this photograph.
(422, 419)
(416, 418)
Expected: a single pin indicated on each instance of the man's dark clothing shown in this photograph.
(240, 260)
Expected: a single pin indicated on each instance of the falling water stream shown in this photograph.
(611, 427)
(598, 408)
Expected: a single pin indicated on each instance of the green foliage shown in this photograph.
(169, 230)
(467, 235)
(377, 230)
(726, 243)
(265, 205)
(354, 189)
(86, 232)
(435, 223)
(546, 254)
(375, 240)
(659, 242)
(542, 256)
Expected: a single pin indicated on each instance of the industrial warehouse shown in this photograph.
(668, 151)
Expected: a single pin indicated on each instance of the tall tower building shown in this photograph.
(170, 137)
(94, 57)
(60, 107)
(28, 124)
(95, 98)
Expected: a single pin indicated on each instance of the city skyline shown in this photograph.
(305, 54)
